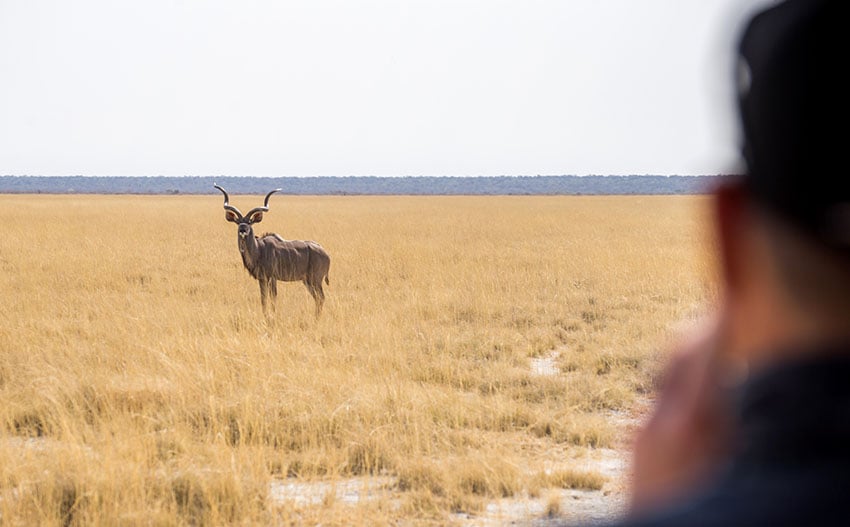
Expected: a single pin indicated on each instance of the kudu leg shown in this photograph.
(264, 294)
(273, 294)
(318, 295)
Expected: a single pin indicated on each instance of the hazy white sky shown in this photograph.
(367, 87)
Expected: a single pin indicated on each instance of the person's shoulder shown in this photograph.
(805, 495)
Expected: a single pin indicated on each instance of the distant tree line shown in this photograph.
(356, 185)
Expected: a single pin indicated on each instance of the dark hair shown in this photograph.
(793, 94)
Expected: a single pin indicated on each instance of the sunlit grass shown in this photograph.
(140, 383)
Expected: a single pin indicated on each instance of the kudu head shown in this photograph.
(255, 215)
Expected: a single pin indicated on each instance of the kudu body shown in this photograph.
(270, 258)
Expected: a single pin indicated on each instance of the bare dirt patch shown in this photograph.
(348, 491)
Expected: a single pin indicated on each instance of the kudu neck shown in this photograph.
(250, 250)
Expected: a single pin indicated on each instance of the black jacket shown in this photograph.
(792, 462)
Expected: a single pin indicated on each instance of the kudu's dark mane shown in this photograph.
(273, 234)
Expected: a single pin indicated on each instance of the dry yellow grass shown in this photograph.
(140, 383)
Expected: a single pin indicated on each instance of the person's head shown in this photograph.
(784, 226)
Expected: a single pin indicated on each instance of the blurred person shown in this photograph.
(752, 423)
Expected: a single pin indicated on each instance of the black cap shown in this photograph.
(792, 94)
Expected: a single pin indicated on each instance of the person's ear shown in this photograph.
(732, 224)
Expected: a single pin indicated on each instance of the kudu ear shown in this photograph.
(231, 216)
(257, 217)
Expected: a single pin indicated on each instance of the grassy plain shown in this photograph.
(141, 385)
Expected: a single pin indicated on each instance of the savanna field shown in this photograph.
(473, 353)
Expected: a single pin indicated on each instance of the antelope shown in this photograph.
(270, 258)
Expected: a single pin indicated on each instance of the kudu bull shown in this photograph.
(270, 258)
